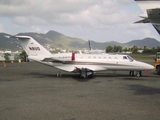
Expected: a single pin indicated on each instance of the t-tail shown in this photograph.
(31, 46)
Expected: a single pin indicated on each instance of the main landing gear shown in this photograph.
(138, 73)
(86, 73)
(59, 74)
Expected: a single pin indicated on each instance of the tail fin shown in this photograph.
(89, 43)
(31, 46)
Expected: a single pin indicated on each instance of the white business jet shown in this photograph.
(85, 64)
(151, 10)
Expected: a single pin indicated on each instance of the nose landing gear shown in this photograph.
(138, 73)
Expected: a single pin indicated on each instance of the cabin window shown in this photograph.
(109, 58)
(99, 57)
(89, 57)
(115, 58)
(94, 57)
(104, 58)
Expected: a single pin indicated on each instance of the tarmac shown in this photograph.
(31, 91)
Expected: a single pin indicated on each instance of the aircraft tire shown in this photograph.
(131, 73)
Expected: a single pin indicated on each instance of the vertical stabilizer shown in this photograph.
(31, 46)
(89, 44)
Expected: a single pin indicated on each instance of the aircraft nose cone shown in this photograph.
(150, 67)
(145, 66)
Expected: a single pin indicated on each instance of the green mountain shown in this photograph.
(8, 44)
(57, 40)
(149, 42)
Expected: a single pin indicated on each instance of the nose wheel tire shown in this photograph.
(139, 74)
(131, 73)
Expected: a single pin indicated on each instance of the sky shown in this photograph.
(97, 20)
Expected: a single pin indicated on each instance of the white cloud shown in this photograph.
(2, 28)
(66, 12)
(27, 21)
(87, 19)
(37, 29)
(125, 1)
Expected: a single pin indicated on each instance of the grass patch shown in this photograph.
(142, 57)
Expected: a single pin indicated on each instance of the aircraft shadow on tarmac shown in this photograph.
(144, 90)
(77, 76)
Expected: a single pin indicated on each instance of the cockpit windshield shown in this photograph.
(130, 58)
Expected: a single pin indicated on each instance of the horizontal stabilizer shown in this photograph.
(19, 37)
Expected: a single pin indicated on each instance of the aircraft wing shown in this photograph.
(73, 66)
(152, 10)
(51, 59)
(153, 16)
(145, 20)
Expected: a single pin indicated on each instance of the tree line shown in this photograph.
(21, 56)
(133, 49)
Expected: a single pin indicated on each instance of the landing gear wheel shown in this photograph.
(59, 74)
(131, 73)
(139, 74)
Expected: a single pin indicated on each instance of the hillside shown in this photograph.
(8, 44)
(149, 42)
(58, 40)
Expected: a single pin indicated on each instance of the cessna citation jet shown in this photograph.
(151, 9)
(85, 64)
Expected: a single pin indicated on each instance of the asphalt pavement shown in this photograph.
(31, 91)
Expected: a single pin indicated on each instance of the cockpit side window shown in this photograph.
(130, 58)
(124, 58)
